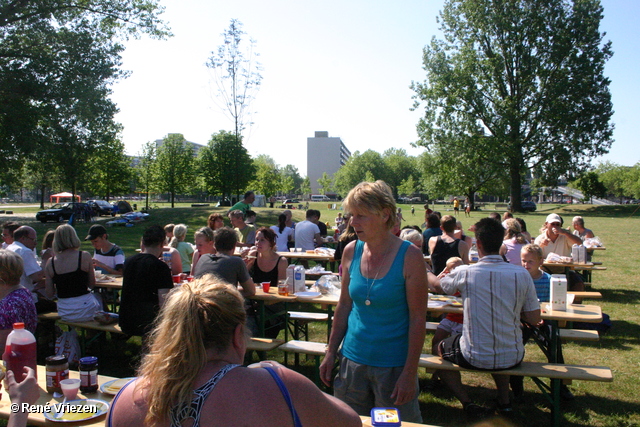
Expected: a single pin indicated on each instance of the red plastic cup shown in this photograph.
(177, 278)
(265, 287)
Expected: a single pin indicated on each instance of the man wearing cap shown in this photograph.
(107, 257)
(556, 239)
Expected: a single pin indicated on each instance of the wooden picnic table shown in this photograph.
(306, 256)
(38, 418)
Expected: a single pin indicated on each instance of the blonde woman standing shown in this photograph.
(69, 273)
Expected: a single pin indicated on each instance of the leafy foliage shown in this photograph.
(225, 165)
(174, 165)
(521, 83)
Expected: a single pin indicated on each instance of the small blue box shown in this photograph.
(385, 417)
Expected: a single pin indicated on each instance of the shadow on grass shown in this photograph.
(441, 408)
(620, 296)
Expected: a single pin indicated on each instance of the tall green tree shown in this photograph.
(326, 183)
(236, 74)
(590, 185)
(305, 187)
(145, 170)
(225, 165)
(523, 81)
(356, 168)
(174, 166)
(613, 176)
(110, 171)
(58, 59)
(291, 179)
(398, 166)
(267, 178)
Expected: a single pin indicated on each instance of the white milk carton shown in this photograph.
(579, 254)
(558, 292)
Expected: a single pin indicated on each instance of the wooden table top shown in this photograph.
(574, 313)
(38, 419)
(308, 256)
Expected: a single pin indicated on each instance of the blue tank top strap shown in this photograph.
(115, 399)
(285, 394)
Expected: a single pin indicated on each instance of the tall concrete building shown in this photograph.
(324, 154)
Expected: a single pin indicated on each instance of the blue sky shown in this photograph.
(339, 66)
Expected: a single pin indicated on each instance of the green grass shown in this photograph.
(596, 404)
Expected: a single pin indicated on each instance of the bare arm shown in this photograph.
(572, 237)
(340, 318)
(87, 265)
(318, 239)
(415, 274)
(432, 243)
(463, 250)
(248, 288)
(282, 268)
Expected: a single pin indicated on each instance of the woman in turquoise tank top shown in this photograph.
(379, 319)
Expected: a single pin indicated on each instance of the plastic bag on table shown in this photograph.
(592, 242)
(328, 284)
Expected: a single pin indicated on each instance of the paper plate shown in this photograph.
(113, 387)
(307, 295)
(436, 304)
(93, 407)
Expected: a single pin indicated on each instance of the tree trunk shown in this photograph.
(515, 188)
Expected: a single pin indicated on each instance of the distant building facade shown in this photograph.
(195, 146)
(324, 154)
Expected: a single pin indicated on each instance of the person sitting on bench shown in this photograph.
(494, 292)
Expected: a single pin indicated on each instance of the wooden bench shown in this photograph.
(48, 317)
(263, 344)
(315, 349)
(113, 328)
(555, 372)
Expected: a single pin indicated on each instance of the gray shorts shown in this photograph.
(364, 387)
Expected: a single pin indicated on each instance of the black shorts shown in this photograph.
(450, 350)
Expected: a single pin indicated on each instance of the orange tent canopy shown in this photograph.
(59, 196)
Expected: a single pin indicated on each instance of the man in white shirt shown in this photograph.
(494, 293)
(308, 233)
(25, 240)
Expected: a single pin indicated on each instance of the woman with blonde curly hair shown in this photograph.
(193, 372)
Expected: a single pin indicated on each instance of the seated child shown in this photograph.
(532, 259)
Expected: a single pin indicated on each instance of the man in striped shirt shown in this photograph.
(495, 296)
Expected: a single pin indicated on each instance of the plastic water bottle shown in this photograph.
(166, 257)
(20, 351)
(473, 252)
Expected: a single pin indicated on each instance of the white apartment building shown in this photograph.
(324, 154)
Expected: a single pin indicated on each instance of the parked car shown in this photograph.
(62, 212)
(527, 206)
(101, 207)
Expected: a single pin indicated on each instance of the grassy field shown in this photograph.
(596, 404)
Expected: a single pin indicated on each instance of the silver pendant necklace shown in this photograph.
(367, 301)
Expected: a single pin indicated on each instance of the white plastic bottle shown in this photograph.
(473, 252)
(299, 275)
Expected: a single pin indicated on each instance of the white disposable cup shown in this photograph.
(70, 388)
